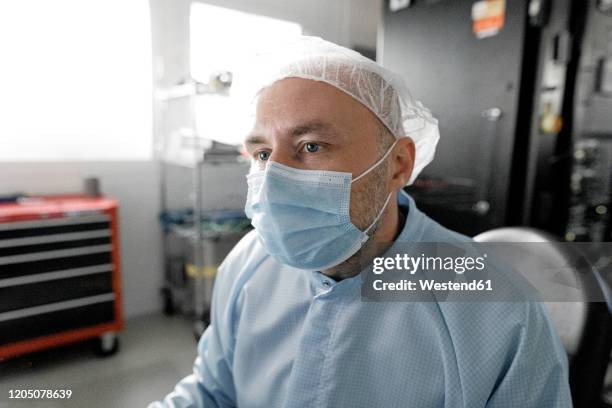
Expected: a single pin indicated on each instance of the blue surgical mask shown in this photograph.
(302, 216)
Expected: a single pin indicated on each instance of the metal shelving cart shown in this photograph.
(202, 237)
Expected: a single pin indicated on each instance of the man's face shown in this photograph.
(312, 125)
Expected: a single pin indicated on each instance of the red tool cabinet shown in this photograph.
(59, 273)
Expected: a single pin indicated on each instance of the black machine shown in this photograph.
(523, 93)
(522, 90)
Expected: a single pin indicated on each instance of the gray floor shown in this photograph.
(156, 351)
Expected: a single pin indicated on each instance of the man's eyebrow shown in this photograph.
(321, 128)
(254, 140)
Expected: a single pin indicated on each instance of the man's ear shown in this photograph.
(402, 163)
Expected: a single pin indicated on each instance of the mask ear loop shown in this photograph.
(375, 165)
(382, 210)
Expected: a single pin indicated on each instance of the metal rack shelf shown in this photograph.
(189, 232)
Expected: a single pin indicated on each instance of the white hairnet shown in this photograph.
(377, 88)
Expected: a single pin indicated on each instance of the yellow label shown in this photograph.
(201, 272)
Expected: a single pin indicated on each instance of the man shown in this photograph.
(335, 139)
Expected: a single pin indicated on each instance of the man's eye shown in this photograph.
(263, 156)
(311, 147)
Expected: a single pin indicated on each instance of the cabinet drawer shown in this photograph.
(54, 290)
(90, 312)
(85, 257)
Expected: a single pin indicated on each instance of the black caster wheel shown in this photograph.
(201, 324)
(169, 309)
(198, 329)
(107, 344)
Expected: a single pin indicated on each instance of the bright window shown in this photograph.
(75, 80)
(220, 38)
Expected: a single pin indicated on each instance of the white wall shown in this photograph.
(328, 19)
(136, 183)
(364, 18)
